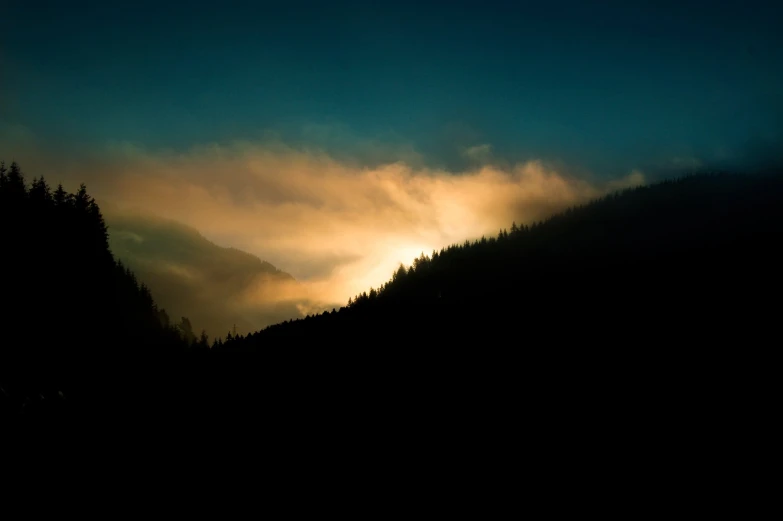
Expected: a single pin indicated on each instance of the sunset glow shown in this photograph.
(335, 141)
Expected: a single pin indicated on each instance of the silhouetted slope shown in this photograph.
(73, 319)
(677, 265)
(215, 287)
(612, 314)
(634, 326)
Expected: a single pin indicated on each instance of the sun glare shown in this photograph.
(380, 268)
(407, 254)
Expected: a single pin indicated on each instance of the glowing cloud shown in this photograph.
(339, 228)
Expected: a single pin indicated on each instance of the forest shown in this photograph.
(73, 318)
(685, 261)
(678, 274)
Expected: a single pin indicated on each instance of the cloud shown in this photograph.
(478, 153)
(337, 226)
(350, 147)
(216, 288)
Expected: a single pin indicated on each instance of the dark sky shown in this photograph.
(609, 88)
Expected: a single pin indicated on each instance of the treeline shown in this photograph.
(683, 260)
(677, 274)
(71, 314)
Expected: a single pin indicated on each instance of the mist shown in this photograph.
(336, 226)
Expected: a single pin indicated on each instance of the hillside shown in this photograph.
(73, 318)
(215, 287)
(660, 285)
(680, 263)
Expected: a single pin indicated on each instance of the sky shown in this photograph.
(335, 139)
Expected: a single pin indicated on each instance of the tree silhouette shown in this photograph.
(645, 281)
(687, 243)
(67, 304)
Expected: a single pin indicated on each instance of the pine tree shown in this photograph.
(164, 319)
(14, 185)
(60, 196)
(100, 230)
(203, 341)
(40, 191)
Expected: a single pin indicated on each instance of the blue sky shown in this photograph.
(611, 88)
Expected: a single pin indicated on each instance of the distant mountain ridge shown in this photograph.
(165, 237)
(216, 287)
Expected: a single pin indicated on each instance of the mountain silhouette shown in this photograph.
(217, 288)
(75, 321)
(629, 308)
(684, 261)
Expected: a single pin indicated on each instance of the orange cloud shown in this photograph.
(339, 227)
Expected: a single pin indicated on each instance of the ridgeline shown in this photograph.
(640, 292)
